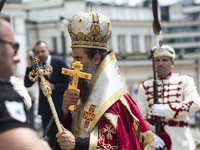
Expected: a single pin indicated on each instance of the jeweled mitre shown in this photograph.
(89, 30)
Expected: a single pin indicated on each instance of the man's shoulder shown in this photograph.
(9, 97)
(147, 82)
(4, 85)
(13, 113)
(56, 59)
(8, 92)
(181, 76)
(124, 101)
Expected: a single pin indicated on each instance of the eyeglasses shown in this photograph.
(14, 45)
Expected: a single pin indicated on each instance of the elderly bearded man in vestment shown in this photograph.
(105, 117)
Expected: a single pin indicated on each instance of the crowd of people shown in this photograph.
(104, 115)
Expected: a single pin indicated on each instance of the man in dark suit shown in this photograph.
(57, 81)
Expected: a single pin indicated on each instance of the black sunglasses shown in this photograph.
(14, 45)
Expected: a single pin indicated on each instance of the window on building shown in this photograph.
(197, 39)
(180, 29)
(121, 43)
(181, 40)
(135, 43)
(54, 45)
(28, 38)
(109, 44)
(197, 28)
(148, 42)
(165, 30)
(64, 44)
(168, 41)
(183, 51)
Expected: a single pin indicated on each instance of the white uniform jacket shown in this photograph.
(179, 96)
(18, 85)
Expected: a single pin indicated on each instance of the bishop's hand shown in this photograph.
(65, 139)
(70, 97)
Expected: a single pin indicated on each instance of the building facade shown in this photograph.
(132, 34)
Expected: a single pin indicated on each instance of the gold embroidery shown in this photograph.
(128, 108)
(94, 138)
(107, 104)
(75, 109)
(112, 118)
(117, 68)
(108, 147)
(113, 98)
(86, 32)
(97, 137)
(89, 115)
(109, 130)
(78, 121)
(144, 138)
(77, 131)
(101, 136)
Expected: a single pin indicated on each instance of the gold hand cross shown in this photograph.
(76, 73)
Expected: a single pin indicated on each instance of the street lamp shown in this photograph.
(62, 26)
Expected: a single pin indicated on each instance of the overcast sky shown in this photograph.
(161, 2)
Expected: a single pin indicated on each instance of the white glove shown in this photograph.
(158, 142)
(158, 110)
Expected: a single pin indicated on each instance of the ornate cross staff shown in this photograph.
(76, 73)
(45, 88)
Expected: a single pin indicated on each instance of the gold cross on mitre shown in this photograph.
(76, 73)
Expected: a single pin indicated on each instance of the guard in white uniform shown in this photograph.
(177, 97)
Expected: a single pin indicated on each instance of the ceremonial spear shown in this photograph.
(156, 29)
(1, 4)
